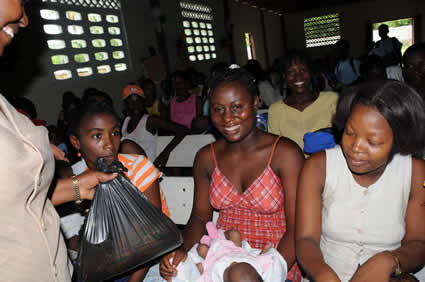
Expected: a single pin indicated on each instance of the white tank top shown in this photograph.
(358, 222)
(141, 136)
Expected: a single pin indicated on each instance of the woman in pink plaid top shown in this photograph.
(249, 175)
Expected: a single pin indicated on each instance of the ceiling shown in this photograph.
(290, 6)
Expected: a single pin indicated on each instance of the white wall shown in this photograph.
(354, 19)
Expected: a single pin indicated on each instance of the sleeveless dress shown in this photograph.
(257, 213)
(359, 222)
(141, 136)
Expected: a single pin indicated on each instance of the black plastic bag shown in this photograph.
(123, 229)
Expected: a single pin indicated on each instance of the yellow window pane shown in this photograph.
(73, 16)
(60, 59)
(103, 69)
(81, 58)
(62, 74)
(87, 71)
(94, 18)
(101, 56)
(78, 43)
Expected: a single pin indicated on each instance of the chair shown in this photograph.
(178, 190)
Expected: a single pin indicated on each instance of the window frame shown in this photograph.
(321, 41)
(64, 22)
(199, 12)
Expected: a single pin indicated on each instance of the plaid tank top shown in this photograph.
(257, 213)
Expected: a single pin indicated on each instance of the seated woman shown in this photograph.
(360, 205)
(142, 128)
(304, 109)
(249, 175)
(95, 132)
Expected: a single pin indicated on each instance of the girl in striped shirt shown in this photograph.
(95, 132)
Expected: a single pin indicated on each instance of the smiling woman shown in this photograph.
(248, 172)
(304, 109)
(12, 17)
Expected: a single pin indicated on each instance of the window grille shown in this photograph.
(322, 31)
(84, 37)
(198, 30)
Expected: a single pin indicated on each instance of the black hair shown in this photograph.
(255, 69)
(26, 105)
(85, 110)
(372, 64)
(92, 94)
(401, 106)
(237, 75)
(299, 55)
(414, 49)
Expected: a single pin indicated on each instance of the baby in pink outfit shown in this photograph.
(223, 256)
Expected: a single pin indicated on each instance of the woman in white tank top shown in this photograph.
(360, 206)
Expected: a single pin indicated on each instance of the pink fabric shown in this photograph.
(183, 112)
(223, 249)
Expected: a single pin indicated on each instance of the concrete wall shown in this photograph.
(248, 19)
(354, 20)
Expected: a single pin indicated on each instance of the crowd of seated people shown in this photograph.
(334, 184)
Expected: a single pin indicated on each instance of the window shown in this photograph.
(199, 32)
(84, 37)
(250, 47)
(322, 31)
(402, 29)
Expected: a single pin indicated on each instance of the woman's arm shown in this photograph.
(155, 123)
(308, 218)
(289, 173)
(130, 147)
(200, 215)
(63, 190)
(411, 254)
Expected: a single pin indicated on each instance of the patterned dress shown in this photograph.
(257, 213)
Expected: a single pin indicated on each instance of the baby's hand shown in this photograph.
(266, 248)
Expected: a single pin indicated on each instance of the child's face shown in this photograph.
(367, 140)
(99, 136)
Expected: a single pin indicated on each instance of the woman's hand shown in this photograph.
(89, 179)
(168, 264)
(58, 153)
(377, 268)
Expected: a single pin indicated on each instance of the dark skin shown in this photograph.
(135, 108)
(182, 94)
(99, 136)
(298, 77)
(242, 155)
(149, 89)
(414, 71)
(367, 142)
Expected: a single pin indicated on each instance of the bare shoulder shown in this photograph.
(286, 148)
(204, 158)
(418, 179)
